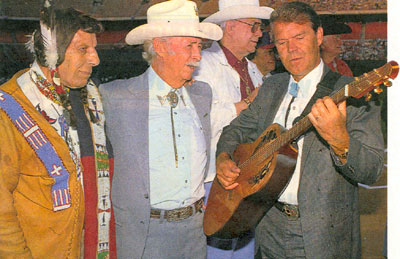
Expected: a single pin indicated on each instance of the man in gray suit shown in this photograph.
(316, 216)
(159, 127)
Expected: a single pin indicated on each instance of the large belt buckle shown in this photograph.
(291, 211)
(179, 214)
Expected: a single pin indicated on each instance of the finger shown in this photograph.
(316, 110)
(229, 176)
(342, 108)
(227, 169)
(330, 105)
(232, 186)
(231, 166)
(227, 184)
(320, 107)
(313, 119)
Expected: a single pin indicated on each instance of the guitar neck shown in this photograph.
(304, 124)
(358, 88)
(289, 135)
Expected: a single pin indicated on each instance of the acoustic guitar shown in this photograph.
(268, 163)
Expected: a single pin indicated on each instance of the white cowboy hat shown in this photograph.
(239, 9)
(173, 18)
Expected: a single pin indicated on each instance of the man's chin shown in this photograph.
(78, 85)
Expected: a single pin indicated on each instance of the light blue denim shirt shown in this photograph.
(174, 186)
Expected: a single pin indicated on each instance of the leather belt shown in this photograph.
(292, 211)
(177, 214)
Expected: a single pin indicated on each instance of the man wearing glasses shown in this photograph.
(235, 85)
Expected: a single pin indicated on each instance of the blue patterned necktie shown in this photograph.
(293, 90)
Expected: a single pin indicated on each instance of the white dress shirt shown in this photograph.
(307, 87)
(174, 185)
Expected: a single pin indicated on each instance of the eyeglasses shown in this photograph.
(254, 26)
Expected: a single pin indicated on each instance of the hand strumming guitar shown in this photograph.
(227, 171)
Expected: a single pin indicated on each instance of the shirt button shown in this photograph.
(175, 113)
(183, 158)
(186, 181)
(179, 135)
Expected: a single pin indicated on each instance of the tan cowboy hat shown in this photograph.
(173, 18)
(239, 9)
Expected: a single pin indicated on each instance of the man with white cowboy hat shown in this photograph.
(234, 79)
(159, 127)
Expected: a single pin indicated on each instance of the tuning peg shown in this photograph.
(387, 83)
(368, 97)
(378, 90)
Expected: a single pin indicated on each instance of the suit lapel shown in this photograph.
(198, 101)
(138, 117)
(309, 137)
(202, 104)
(274, 97)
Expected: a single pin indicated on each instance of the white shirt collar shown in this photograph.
(310, 81)
(158, 86)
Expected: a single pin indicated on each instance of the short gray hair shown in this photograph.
(148, 51)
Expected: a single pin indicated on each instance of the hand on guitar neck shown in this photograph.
(227, 171)
(329, 120)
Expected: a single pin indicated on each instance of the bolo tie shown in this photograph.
(173, 99)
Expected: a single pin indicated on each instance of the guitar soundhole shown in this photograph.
(260, 175)
(268, 137)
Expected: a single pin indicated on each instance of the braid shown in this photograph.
(69, 113)
(84, 100)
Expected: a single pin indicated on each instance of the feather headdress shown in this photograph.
(48, 32)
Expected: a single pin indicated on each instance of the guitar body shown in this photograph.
(268, 163)
(229, 213)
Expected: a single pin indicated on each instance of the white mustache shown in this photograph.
(194, 63)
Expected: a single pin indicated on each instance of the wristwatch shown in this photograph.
(343, 155)
(247, 101)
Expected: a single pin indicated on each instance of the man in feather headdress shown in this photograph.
(55, 162)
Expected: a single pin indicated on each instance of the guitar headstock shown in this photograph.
(362, 85)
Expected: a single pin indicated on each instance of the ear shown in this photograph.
(229, 26)
(320, 35)
(159, 46)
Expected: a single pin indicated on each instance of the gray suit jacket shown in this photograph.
(328, 193)
(126, 106)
